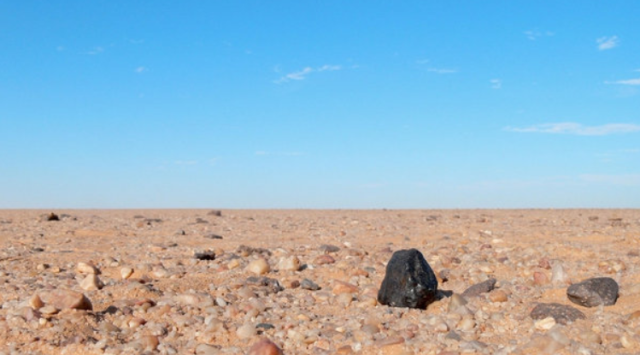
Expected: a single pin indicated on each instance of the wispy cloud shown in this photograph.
(60, 48)
(185, 162)
(303, 73)
(605, 43)
(577, 129)
(442, 70)
(621, 180)
(634, 82)
(535, 34)
(95, 50)
(140, 70)
(496, 83)
(282, 154)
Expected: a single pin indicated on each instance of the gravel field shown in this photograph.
(307, 282)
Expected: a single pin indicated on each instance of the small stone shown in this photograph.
(66, 299)
(233, 264)
(91, 283)
(206, 349)
(409, 281)
(149, 342)
(545, 323)
(205, 255)
(213, 236)
(558, 275)
(307, 284)
(562, 314)
(291, 263)
(498, 296)
(35, 302)
(341, 287)
(591, 337)
(456, 301)
(594, 292)
(259, 266)
(265, 347)
(86, 268)
(324, 259)
(246, 331)
(52, 217)
(480, 288)
(126, 272)
(215, 213)
(327, 248)
(540, 278)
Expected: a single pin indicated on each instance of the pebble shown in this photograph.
(324, 259)
(545, 323)
(340, 287)
(480, 288)
(66, 299)
(456, 301)
(35, 302)
(562, 314)
(259, 266)
(126, 272)
(291, 263)
(86, 268)
(594, 292)
(91, 283)
(246, 331)
(328, 248)
(206, 349)
(265, 347)
(540, 278)
(307, 284)
(498, 296)
(558, 275)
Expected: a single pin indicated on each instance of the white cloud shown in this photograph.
(622, 179)
(302, 74)
(496, 83)
(442, 70)
(578, 129)
(96, 50)
(605, 43)
(329, 68)
(185, 162)
(422, 61)
(535, 34)
(634, 82)
(140, 70)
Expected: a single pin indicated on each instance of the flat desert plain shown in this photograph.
(218, 282)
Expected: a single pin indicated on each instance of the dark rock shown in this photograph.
(480, 288)
(307, 284)
(561, 313)
(201, 221)
(408, 281)
(52, 217)
(216, 213)
(213, 236)
(594, 292)
(265, 326)
(205, 255)
(328, 248)
(245, 251)
(270, 285)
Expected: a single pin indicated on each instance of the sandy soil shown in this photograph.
(175, 303)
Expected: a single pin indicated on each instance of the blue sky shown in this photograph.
(319, 104)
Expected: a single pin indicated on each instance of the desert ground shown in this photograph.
(220, 281)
